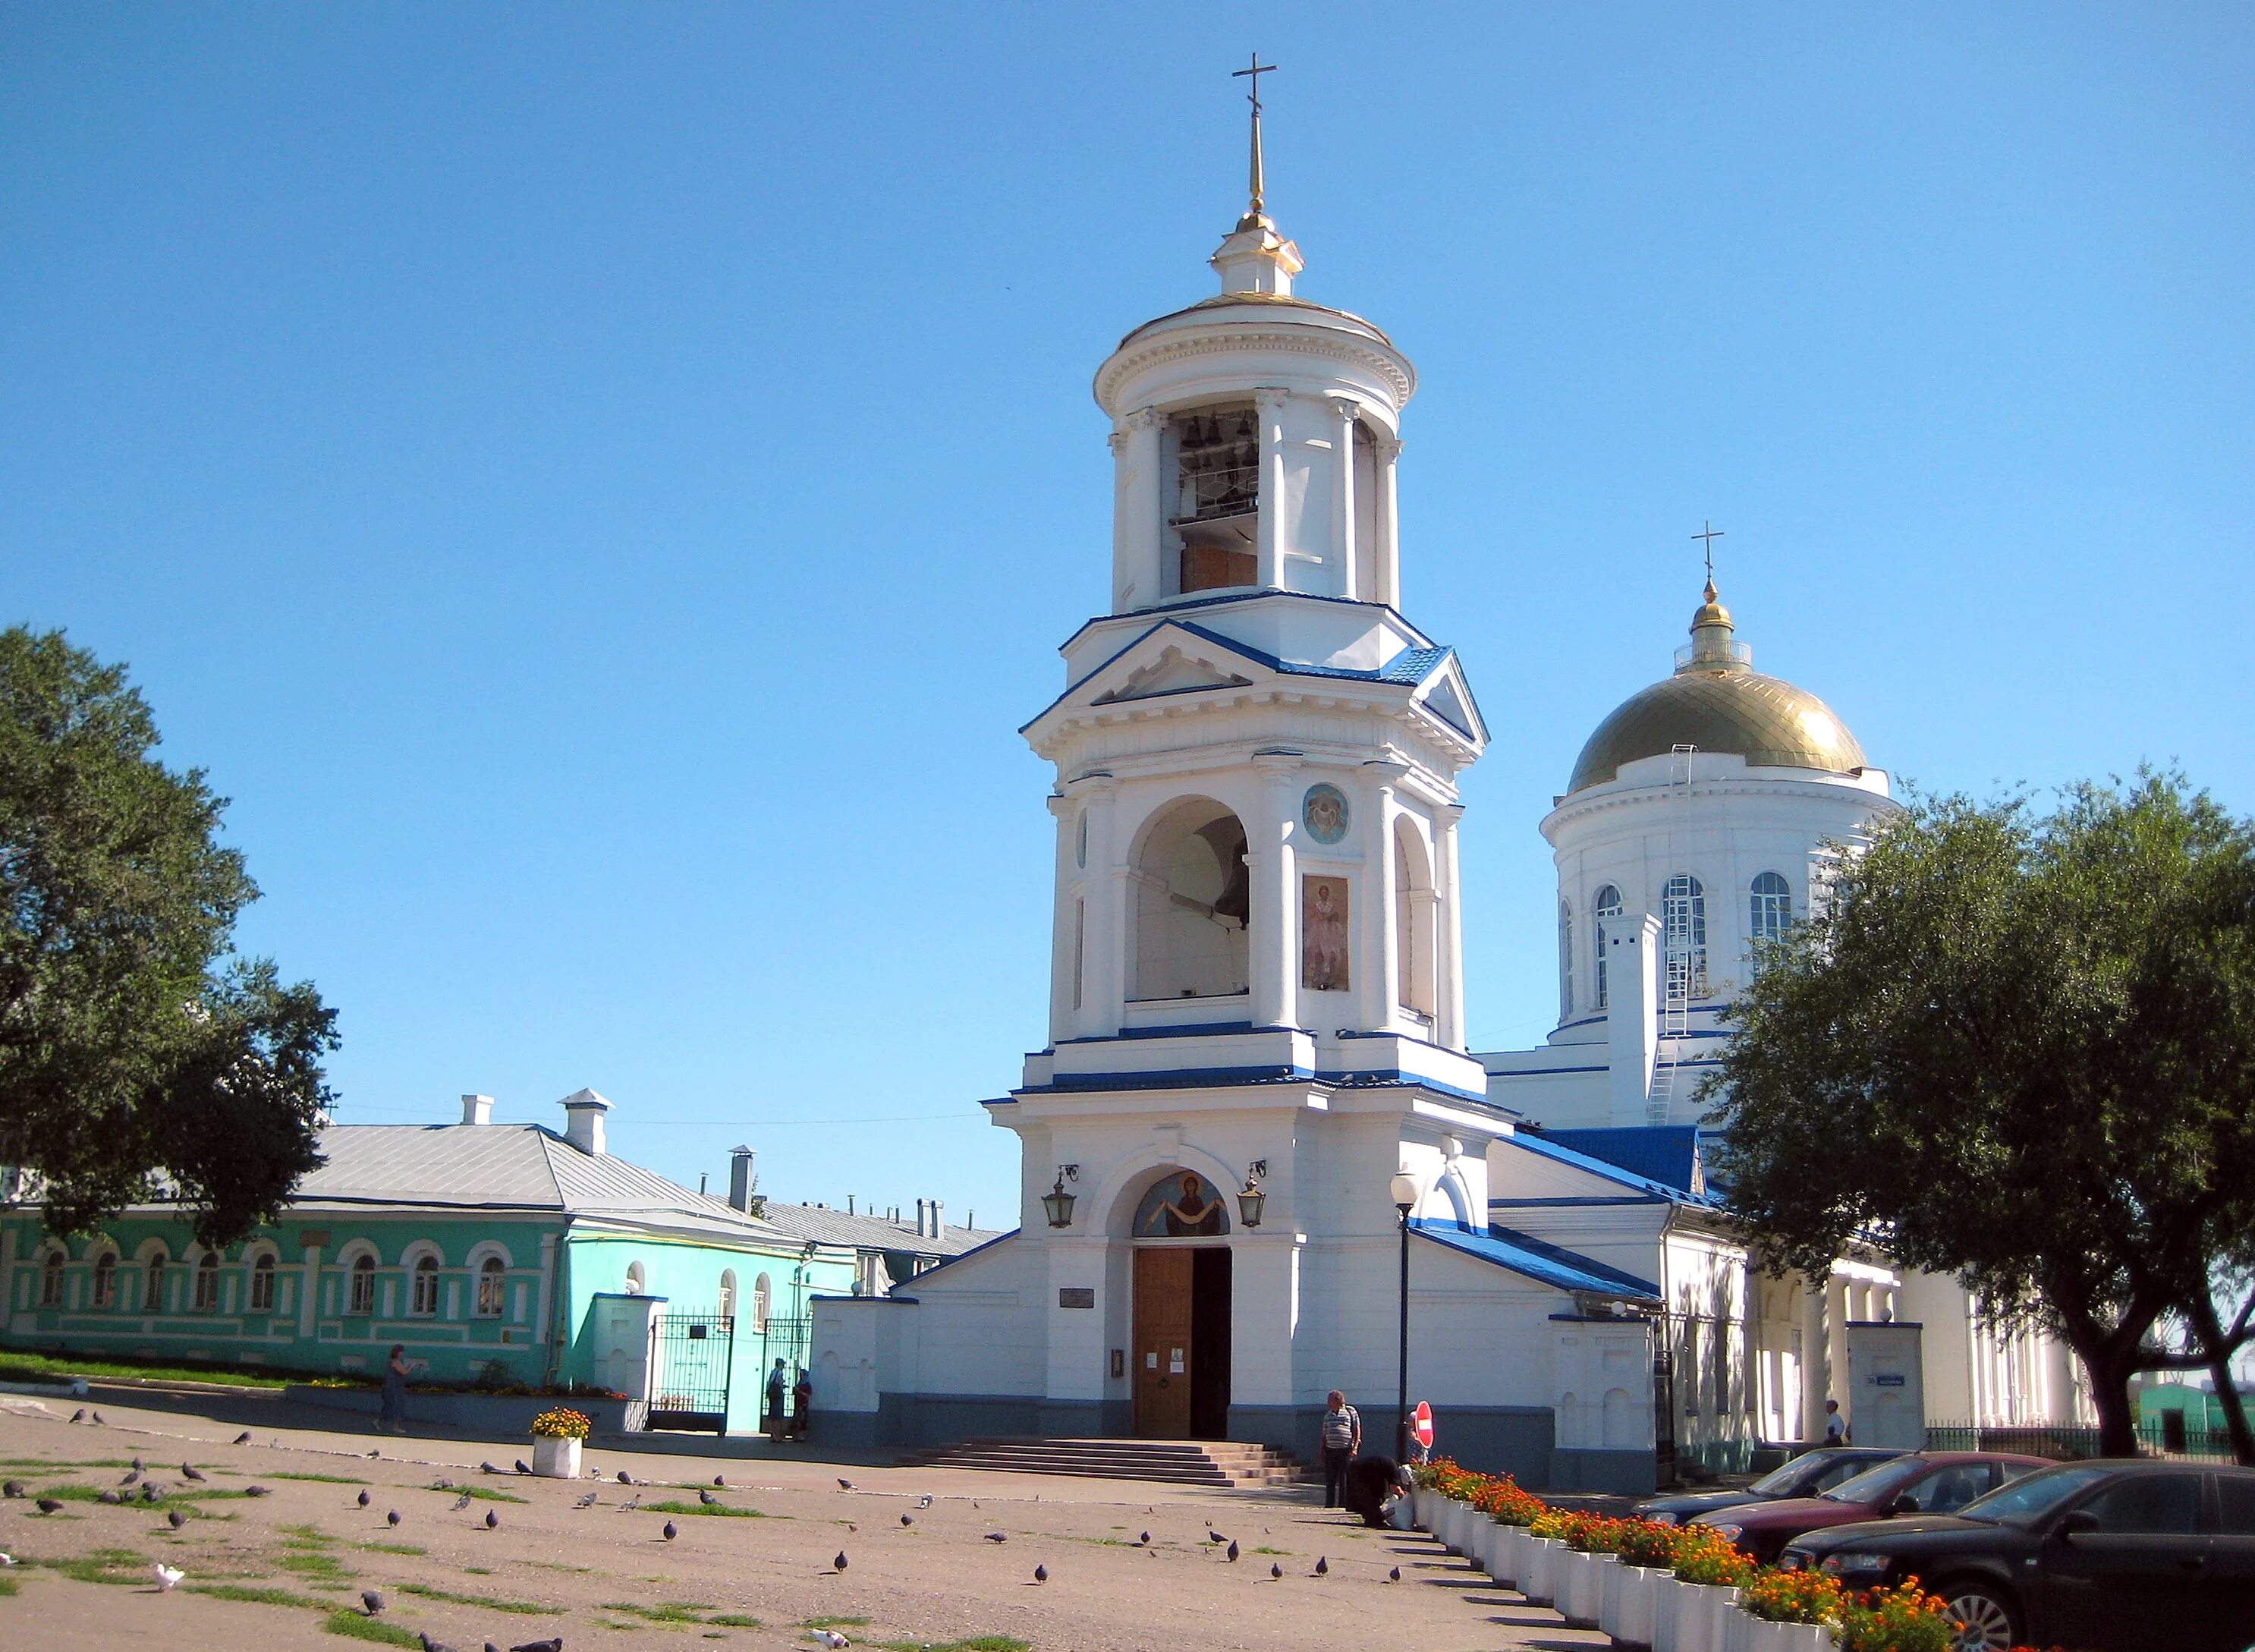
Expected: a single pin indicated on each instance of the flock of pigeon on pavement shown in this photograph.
(138, 1486)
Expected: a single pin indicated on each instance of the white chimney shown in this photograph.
(583, 1122)
(938, 1226)
(741, 1181)
(477, 1110)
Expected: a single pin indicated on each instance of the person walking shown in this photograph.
(1342, 1438)
(1836, 1426)
(778, 1404)
(391, 1415)
(802, 1405)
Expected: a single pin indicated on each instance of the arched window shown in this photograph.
(491, 1286)
(1565, 960)
(1683, 930)
(261, 1283)
(105, 1280)
(153, 1283)
(51, 1280)
(1606, 903)
(1217, 495)
(207, 1297)
(423, 1294)
(1769, 909)
(762, 1299)
(635, 1279)
(1412, 924)
(1192, 901)
(728, 1293)
(361, 1300)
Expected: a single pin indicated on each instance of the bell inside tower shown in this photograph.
(1218, 496)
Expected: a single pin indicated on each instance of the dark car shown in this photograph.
(2116, 1556)
(1914, 1483)
(1805, 1476)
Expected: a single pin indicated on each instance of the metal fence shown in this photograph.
(694, 1357)
(2163, 1436)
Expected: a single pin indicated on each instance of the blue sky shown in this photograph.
(600, 486)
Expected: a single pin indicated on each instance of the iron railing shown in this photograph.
(2157, 1436)
(1228, 492)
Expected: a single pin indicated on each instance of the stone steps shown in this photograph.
(1222, 1463)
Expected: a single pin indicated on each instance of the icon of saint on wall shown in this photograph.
(1323, 934)
(1325, 811)
(1179, 1207)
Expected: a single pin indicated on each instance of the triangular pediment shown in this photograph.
(1449, 697)
(1172, 672)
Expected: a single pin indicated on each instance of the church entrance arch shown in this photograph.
(1183, 1284)
(1192, 899)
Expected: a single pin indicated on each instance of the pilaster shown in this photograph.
(1104, 888)
(1345, 415)
(1270, 543)
(1388, 560)
(1139, 515)
(1448, 937)
(1272, 959)
(1378, 956)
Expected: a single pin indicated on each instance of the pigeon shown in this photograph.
(109, 1497)
(151, 1491)
(487, 1468)
(131, 1475)
(442, 1484)
(1040, 1574)
(1323, 1566)
(523, 1467)
(671, 1531)
(631, 1504)
(1144, 1540)
(13, 1488)
(177, 1518)
(256, 1490)
(78, 1416)
(719, 1479)
(830, 1638)
(625, 1479)
(907, 1520)
(845, 1485)
(707, 1499)
(48, 1505)
(1393, 1575)
(363, 1499)
(837, 1561)
(189, 1470)
(1275, 1572)
(553, 1644)
(998, 1536)
(98, 1423)
(243, 1438)
(378, 1452)
(1231, 1552)
(137, 1463)
(461, 1503)
(167, 1577)
(850, 1525)
(7, 1559)
(925, 1502)
(493, 1519)
(392, 1518)
(588, 1501)
(429, 1645)
(373, 1599)
(1214, 1536)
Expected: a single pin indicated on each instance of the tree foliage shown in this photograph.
(136, 1049)
(2017, 1048)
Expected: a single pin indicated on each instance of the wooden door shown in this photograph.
(1162, 1353)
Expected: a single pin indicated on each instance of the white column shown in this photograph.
(1269, 545)
(1273, 947)
(309, 1298)
(1103, 937)
(1378, 954)
(1067, 811)
(1836, 1348)
(1388, 560)
(1816, 1360)
(543, 1313)
(1344, 414)
(1449, 939)
(1139, 510)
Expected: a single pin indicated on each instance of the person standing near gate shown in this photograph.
(802, 1405)
(778, 1404)
(1342, 1438)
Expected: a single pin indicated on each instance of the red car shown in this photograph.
(1918, 1483)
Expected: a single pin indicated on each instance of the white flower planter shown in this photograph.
(1483, 1545)
(1510, 1551)
(556, 1459)
(1759, 1635)
(1582, 1606)
(1626, 1611)
(1422, 1504)
(1566, 1568)
(1700, 1617)
(1536, 1570)
(1667, 1594)
(1451, 1513)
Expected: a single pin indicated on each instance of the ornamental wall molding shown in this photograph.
(1395, 374)
(1833, 792)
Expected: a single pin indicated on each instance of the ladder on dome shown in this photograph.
(1675, 961)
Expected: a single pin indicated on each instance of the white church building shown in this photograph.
(1256, 1002)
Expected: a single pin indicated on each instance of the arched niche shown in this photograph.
(1192, 899)
(1414, 973)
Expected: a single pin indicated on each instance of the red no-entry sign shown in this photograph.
(1421, 1425)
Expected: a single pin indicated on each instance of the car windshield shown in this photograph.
(1802, 1469)
(1875, 1484)
(2032, 1497)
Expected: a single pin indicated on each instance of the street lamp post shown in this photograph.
(1405, 1200)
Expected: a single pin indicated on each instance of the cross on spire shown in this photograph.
(1709, 536)
(1256, 71)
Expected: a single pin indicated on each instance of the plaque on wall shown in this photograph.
(1075, 1295)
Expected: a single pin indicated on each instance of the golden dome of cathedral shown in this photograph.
(1717, 702)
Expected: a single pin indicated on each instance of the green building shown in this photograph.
(498, 1254)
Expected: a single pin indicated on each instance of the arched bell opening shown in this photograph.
(1193, 898)
(1413, 926)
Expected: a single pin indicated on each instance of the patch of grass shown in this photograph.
(833, 1623)
(734, 1621)
(61, 1368)
(397, 1549)
(7, 1587)
(323, 1480)
(558, 1565)
(315, 1564)
(49, 1465)
(664, 1612)
(303, 1536)
(485, 1493)
(976, 1643)
(522, 1608)
(257, 1597)
(472, 1572)
(1265, 1550)
(103, 1565)
(702, 1508)
(359, 1627)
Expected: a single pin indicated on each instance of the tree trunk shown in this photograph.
(2109, 1367)
(2219, 1350)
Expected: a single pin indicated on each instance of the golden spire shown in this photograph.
(1255, 214)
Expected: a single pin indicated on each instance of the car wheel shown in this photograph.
(1981, 1620)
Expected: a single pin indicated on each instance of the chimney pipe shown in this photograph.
(938, 1224)
(583, 1122)
(741, 1179)
(477, 1110)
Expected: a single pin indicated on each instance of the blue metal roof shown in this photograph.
(1546, 1263)
(1545, 1145)
(1663, 1153)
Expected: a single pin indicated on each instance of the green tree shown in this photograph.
(2020, 1049)
(136, 1049)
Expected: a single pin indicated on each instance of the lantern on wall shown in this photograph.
(1057, 1201)
(1250, 1201)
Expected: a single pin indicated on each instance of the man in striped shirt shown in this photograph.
(1342, 1438)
